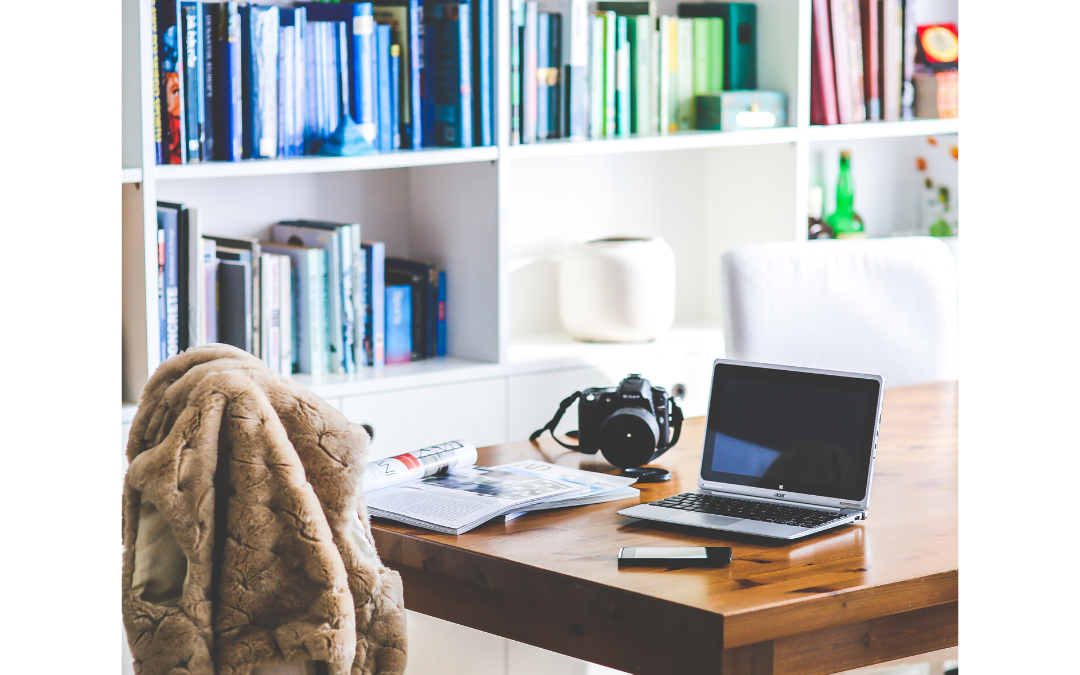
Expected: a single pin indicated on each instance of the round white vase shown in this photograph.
(620, 289)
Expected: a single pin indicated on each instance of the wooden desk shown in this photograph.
(876, 591)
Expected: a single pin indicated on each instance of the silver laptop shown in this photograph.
(789, 452)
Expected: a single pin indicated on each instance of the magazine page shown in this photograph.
(601, 487)
(459, 501)
(411, 466)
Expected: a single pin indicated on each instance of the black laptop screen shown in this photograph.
(790, 431)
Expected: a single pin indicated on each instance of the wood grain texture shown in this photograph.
(558, 568)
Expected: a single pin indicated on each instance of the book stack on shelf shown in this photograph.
(237, 81)
(315, 300)
(865, 63)
(623, 69)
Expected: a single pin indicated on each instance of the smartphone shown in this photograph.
(675, 556)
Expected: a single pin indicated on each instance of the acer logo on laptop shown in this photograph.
(779, 494)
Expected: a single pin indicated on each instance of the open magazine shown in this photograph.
(440, 488)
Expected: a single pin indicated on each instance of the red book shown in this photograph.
(871, 45)
(822, 78)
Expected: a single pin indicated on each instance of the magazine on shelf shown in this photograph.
(440, 488)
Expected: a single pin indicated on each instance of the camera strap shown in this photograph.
(676, 418)
(550, 426)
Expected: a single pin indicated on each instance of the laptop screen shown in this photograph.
(792, 431)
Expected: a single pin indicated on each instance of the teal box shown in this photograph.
(741, 110)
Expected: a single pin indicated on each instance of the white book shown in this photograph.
(841, 60)
(209, 306)
(285, 315)
(684, 85)
(664, 42)
(892, 61)
(196, 281)
(269, 299)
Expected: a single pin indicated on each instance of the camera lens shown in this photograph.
(628, 437)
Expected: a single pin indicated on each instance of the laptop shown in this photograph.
(789, 452)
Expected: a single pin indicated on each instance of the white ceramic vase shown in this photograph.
(620, 289)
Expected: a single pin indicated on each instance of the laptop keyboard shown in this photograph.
(752, 510)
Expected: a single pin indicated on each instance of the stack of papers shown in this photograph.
(432, 489)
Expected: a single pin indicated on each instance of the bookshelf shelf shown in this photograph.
(868, 130)
(130, 176)
(428, 373)
(310, 165)
(686, 140)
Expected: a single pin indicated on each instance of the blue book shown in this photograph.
(191, 17)
(259, 54)
(543, 62)
(169, 221)
(398, 324)
(447, 37)
(375, 302)
(483, 98)
(228, 93)
(440, 346)
(297, 141)
(406, 19)
(360, 33)
(382, 59)
(395, 97)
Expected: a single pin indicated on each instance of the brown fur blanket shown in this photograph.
(246, 539)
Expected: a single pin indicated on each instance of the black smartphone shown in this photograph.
(674, 556)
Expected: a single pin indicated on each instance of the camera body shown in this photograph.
(630, 424)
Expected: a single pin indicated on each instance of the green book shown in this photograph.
(597, 109)
(622, 78)
(702, 54)
(684, 85)
(716, 54)
(639, 36)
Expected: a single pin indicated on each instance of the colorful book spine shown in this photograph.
(285, 315)
(554, 83)
(483, 48)
(206, 52)
(823, 81)
(529, 66)
(639, 36)
(543, 62)
(740, 46)
(210, 303)
(398, 324)
(415, 64)
(228, 85)
(172, 86)
(155, 66)
(622, 78)
(576, 111)
(447, 28)
(610, 67)
(686, 111)
(271, 297)
(854, 32)
(298, 142)
(360, 320)
(384, 138)
(395, 97)
(716, 54)
(308, 290)
(665, 35)
(517, 24)
(375, 302)
(702, 56)
(286, 87)
(871, 23)
(259, 52)
(841, 61)
(909, 40)
(892, 59)
(440, 346)
(597, 109)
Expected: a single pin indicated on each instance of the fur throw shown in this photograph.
(246, 538)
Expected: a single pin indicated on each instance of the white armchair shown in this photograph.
(881, 306)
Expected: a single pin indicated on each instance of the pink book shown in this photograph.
(823, 81)
(841, 59)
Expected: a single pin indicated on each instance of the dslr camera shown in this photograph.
(631, 424)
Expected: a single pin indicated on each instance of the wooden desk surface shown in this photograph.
(879, 590)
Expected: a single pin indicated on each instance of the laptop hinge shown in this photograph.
(790, 502)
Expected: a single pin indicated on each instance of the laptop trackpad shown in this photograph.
(705, 519)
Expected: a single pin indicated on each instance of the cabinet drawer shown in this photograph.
(414, 418)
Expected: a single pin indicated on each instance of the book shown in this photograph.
(892, 58)
(399, 347)
(447, 29)
(329, 237)
(908, 45)
(228, 95)
(384, 135)
(235, 298)
(822, 79)
(259, 56)
(209, 305)
(168, 216)
(738, 42)
(375, 302)
(167, 14)
(684, 103)
(597, 108)
(639, 36)
(251, 250)
(193, 276)
(425, 282)
(156, 79)
(285, 315)
(206, 54)
(517, 24)
(529, 33)
(292, 100)
(668, 62)
(191, 19)
(440, 346)
(395, 97)
(308, 293)
(270, 311)
(611, 32)
(406, 18)
(554, 76)
(854, 33)
(543, 63)
(842, 64)
(622, 78)
(483, 51)
(703, 65)
(871, 44)
(576, 71)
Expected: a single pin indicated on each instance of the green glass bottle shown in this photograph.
(844, 221)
